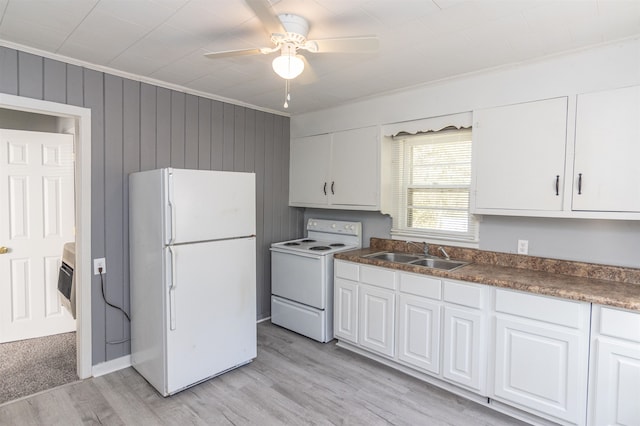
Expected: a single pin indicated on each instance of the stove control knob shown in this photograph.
(333, 225)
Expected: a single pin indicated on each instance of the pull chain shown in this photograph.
(287, 95)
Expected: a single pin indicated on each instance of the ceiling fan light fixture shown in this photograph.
(288, 66)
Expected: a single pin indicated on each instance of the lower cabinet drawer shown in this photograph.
(542, 308)
(420, 285)
(346, 270)
(379, 277)
(471, 295)
(619, 323)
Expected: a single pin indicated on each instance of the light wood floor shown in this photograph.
(294, 381)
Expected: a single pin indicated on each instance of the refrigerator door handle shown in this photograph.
(171, 213)
(171, 222)
(172, 289)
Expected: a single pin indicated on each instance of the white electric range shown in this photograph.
(302, 277)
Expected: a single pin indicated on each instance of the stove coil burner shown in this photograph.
(319, 248)
(308, 241)
(336, 245)
(292, 243)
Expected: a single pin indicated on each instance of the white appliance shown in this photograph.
(66, 278)
(302, 277)
(193, 274)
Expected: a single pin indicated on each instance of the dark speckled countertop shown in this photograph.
(588, 282)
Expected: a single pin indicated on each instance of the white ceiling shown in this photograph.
(421, 41)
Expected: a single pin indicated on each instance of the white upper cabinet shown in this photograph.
(354, 168)
(570, 157)
(309, 170)
(607, 151)
(519, 154)
(339, 170)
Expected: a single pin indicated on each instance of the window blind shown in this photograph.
(431, 180)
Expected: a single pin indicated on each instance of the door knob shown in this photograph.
(4, 250)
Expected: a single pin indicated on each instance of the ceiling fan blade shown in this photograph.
(231, 53)
(266, 15)
(361, 44)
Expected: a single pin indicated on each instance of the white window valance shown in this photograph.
(459, 121)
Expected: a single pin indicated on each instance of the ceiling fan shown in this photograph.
(289, 35)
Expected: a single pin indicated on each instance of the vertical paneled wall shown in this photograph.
(137, 126)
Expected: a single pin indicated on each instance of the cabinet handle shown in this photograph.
(579, 183)
(325, 188)
(557, 185)
(332, 193)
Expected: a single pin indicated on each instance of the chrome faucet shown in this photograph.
(444, 252)
(420, 245)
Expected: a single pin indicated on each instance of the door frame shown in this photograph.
(82, 175)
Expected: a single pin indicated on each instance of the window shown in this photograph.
(433, 178)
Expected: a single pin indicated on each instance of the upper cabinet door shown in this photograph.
(355, 168)
(519, 156)
(338, 170)
(309, 168)
(607, 151)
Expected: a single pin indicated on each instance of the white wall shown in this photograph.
(600, 68)
(606, 67)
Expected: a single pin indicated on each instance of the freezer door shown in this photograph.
(211, 310)
(207, 205)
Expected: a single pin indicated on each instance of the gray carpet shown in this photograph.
(33, 365)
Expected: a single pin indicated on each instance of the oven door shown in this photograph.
(299, 277)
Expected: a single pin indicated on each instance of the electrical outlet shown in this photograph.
(99, 263)
(523, 246)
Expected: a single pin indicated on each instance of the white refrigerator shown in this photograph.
(192, 274)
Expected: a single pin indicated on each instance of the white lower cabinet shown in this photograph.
(615, 368)
(345, 312)
(376, 319)
(365, 307)
(465, 340)
(541, 355)
(419, 313)
(539, 358)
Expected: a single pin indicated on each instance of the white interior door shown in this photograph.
(36, 219)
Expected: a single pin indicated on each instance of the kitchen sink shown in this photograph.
(394, 257)
(428, 261)
(448, 265)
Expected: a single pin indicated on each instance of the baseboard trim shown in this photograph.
(111, 366)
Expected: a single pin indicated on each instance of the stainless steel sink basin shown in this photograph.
(394, 257)
(428, 261)
(448, 265)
